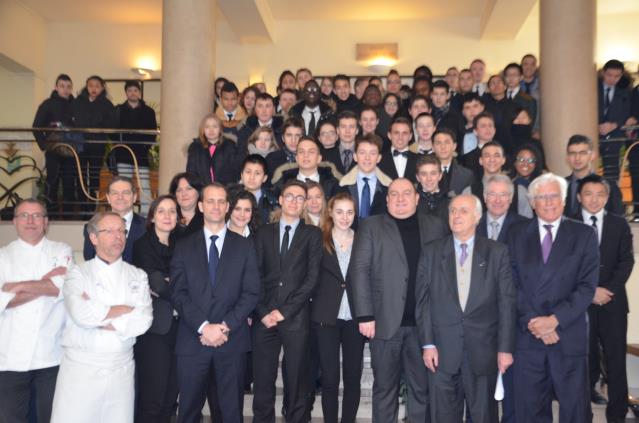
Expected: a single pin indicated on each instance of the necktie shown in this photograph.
(606, 99)
(546, 244)
(494, 225)
(464, 254)
(400, 153)
(527, 87)
(510, 95)
(348, 159)
(365, 202)
(229, 116)
(214, 258)
(311, 125)
(594, 221)
(284, 246)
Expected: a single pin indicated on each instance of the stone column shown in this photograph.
(567, 31)
(188, 69)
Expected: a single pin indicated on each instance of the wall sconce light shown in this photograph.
(379, 58)
(144, 73)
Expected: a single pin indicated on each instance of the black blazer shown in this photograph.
(617, 260)
(226, 162)
(378, 206)
(333, 155)
(572, 208)
(150, 255)
(230, 300)
(459, 178)
(387, 165)
(619, 109)
(511, 219)
(137, 230)
(328, 180)
(486, 325)
(288, 288)
(328, 294)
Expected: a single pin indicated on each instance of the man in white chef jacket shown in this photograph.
(109, 305)
(32, 315)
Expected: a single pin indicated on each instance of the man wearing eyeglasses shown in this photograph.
(288, 258)
(555, 269)
(109, 305)
(32, 315)
(121, 196)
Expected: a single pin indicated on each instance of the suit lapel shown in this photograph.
(202, 262)
(504, 227)
(276, 244)
(477, 273)
(393, 234)
(449, 269)
(333, 267)
(227, 247)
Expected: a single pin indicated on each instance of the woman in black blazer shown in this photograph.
(214, 155)
(155, 363)
(331, 315)
(186, 187)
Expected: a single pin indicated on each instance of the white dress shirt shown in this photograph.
(500, 224)
(314, 177)
(306, 115)
(588, 220)
(128, 219)
(400, 162)
(30, 333)
(553, 230)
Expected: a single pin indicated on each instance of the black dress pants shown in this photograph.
(16, 389)
(344, 334)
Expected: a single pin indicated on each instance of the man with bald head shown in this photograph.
(556, 270)
(382, 287)
(470, 336)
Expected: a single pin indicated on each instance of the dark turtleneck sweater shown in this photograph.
(409, 232)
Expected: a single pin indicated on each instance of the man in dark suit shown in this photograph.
(513, 73)
(399, 162)
(121, 195)
(366, 183)
(215, 288)
(292, 132)
(342, 154)
(288, 257)
(443, 115)
(469, 336)
(432, 200)
(383, 271)
(608, 313)
(484, 129)
(264, 116)
(614, 109)
(311, 110)
(455, 177)
(499, 216)
(579, 156)
(555, 269)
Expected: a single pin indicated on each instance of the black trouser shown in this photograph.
(449, 391)
(267, 344)
(156, 374)
(329, 339)
(15, 393)
(392, 357)
(608, 326)
(60, 168)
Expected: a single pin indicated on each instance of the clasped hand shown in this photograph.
(214, 334)
(544, 328)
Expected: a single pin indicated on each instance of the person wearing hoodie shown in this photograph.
(344, 99)
(214, 155)
(92, 109)
(135, 114)
(56, 112)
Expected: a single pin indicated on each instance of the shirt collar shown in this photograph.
(554, 224)
(499, 220)
(293, 225)
(470, 242)
(220, 234)
(599, 215)
(371, 176)
(245, 233)
(314, 177)
(312, 110)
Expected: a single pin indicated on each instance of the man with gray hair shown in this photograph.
(469, 336)
(109, 305)
(498, 196)
(32, 315)
(555, 269)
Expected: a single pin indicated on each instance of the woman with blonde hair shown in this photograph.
(262, 141)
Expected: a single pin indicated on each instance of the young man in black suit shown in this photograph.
(608, 313)
(292, 131)
(344, 99)
(366, 183)
(312, 110)
(215, 288)
(121, 196)
(342, 154)
(288, 257)
(484, 129)
(264, 116)
(399, 162)
(444, 116)
(455, 177)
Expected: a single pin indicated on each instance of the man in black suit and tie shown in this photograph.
(455, 177)
(614, 109)
(288, 256)
(215, 288)
(579, 156)
(608, 313)
(469, 336)
(383, 271)
(121, 196)
(555, 269)
(311, 110)
(499, 217)
(365, 182)
(399, 162)
(342, 154)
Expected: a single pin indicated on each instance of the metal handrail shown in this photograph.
(83, 130)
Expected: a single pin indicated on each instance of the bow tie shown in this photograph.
(400, 153)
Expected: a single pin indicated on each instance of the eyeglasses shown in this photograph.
(34, 216)
(113, 232)
(530, 160)
(500, 195)
(547, 197)
(292, 197)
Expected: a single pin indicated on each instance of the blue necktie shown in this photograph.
(214, 258)
(365, 203)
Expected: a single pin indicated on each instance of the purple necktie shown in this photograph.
(546, 244)
(464, 254)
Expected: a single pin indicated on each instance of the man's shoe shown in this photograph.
(597, 398)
